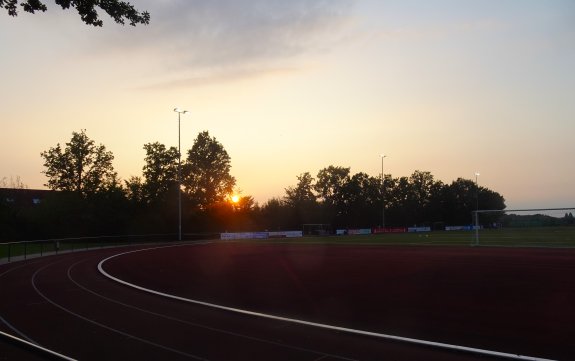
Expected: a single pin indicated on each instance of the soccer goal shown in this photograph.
(318, 229)
(547, 227)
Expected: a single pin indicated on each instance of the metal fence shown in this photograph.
(12, 251)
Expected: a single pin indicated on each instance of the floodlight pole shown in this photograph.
(476, 220)
(382, 195)
(180, 112)
(476, 192)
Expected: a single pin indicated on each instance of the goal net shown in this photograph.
(319, 229)
(548, 227)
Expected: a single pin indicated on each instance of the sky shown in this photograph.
(453, 87)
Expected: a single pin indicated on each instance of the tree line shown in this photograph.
(88, 197)
(341, 199)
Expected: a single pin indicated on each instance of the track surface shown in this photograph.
(509, 300)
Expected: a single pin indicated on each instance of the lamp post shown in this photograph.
(382, 195)
(476, 221)
(476, 192)
(180, 112)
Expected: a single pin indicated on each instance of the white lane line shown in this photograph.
(193, 324)
(314, 324)
(17, 331)
(36, 346)
(105, 326)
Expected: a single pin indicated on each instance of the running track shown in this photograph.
(65, 304)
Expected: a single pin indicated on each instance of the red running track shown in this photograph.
(509, 300)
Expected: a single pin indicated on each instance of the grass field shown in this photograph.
(508, 237)
(557, 237)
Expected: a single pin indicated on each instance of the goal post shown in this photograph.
(542, 227)
(316, 229)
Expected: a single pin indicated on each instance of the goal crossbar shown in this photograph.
(521, 210)
(477, 226)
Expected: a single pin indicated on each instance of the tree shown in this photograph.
(135, 189)
(387, 196)
(82, 166)
(330, 184)
(460, 198)
(463, 196)
(421, 187)
(301, 201)
(362, 200)
(206, 172)
(275, 215)
(330, 187)
(12, 183)
(160, 171)
(302, 194)
(120, 11)
(423, 196)
(245, 204)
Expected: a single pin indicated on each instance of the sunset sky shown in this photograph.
(450, 87)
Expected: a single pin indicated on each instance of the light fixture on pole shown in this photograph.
(382, 195)
(476, 192)
(476, 220)
(180, 112)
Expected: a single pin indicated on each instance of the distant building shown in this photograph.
(23, 197)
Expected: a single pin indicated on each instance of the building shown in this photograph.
(23, 197)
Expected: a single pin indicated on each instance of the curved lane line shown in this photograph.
(37, 347)
(193, 324)
(3, 320)
(104, 326)
(313, 324)
(17, 331)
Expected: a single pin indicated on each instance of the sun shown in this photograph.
(235, 198)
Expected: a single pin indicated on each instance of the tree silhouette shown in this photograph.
(301, 200)
(82, 166)
(120, 11)
(302, 194)
(206, 172)
(160, 171)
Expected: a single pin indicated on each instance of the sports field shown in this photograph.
(558, 237)
(553, 237)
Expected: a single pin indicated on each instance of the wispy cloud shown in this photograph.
(231, 74)
(212, 38)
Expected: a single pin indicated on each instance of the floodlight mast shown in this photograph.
(180, 112)
(476, 192)
(382, 195)
(476, 220)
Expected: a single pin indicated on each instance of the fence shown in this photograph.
(10, 251)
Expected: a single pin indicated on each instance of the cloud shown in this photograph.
(218, 76)
(217, 37)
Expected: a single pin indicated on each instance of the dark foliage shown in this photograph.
(88, 200)
(120, 11)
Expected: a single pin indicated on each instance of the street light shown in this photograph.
(476, 210)
(382, 195)
(476, 192)
(180, 112)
